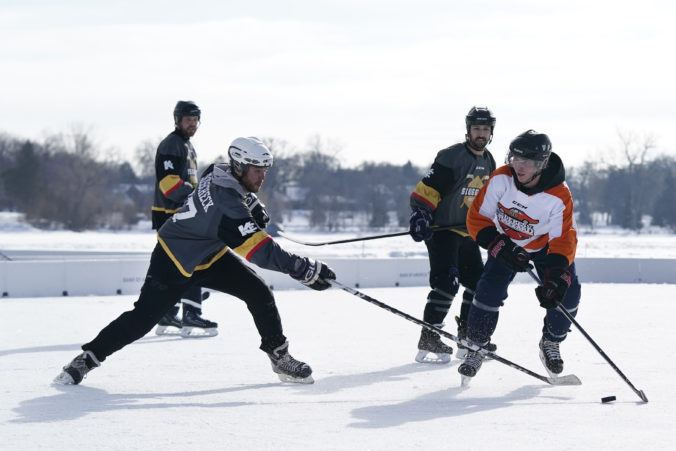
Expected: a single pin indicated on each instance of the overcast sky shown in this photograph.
(383, 80)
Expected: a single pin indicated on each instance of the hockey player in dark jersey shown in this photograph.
(197, 246)
(176, 177)
(442, 198)
(524, 214)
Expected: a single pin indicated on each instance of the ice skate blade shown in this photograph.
(465, 380)
(63, 379)
(167, 330)
(440, 359)
(295, 380)
(198, 332)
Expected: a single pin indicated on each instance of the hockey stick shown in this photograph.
(5, 257)
(570, 317)
(364, 238)
(569, 379)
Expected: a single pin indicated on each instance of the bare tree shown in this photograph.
(144, 159)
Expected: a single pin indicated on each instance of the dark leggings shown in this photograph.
(164, 286)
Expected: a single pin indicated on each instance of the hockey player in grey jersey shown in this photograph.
(197, 246)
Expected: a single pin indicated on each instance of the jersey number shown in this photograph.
(186, 214)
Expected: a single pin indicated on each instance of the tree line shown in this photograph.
(62, 182)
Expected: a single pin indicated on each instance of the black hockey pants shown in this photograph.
(451, 255)
(165, 285)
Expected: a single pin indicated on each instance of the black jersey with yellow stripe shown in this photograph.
(175, 175)
(450, 185)
(214, 220)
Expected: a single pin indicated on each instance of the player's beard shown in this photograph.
(188, 131)
(479, 143)
(250, 185)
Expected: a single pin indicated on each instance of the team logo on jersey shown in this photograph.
(516, 224)
(168, 165)
(471, 189)
(247, 228)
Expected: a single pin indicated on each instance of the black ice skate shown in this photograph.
(462, 333)
(470, 366)
(169, 325)
(430, 343)
(194, 326)
(551, 357)
(289, 369)
(77, 369)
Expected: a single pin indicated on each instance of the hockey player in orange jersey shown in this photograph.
(524, 215)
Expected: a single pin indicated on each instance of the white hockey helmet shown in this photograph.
(245, 152)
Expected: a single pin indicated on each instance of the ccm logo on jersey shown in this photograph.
(247, 228)
(168, 165)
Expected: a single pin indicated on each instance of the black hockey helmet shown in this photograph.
(531, 145)
(480, 116)
(186, 108)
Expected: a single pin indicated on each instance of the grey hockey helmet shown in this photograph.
(186, 108)
(245, 152)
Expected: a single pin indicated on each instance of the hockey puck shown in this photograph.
(608, 399)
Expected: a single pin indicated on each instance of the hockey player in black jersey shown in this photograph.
(197, 247)
(175, 179)
(440, 199)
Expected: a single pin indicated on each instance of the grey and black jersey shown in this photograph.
(450, 185)
(214, 219)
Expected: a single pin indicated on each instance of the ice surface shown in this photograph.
(220, 393)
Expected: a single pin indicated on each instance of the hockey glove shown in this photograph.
(419, 227)
(554, 286)
(509, 254)
(257, 209)
(312, 273)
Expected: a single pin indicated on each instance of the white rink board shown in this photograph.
(84, 277)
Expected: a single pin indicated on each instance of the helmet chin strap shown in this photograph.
(532, 178)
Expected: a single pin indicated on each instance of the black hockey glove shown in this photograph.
(509, 254)
(312, 273)
(554, 286)
(257, 209)
(419, 227)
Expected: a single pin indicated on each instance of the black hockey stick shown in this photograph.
(364, 238)
(567, 314)
(569, 379)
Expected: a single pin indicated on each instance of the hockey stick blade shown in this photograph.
(570, 379)
(591, 341)
(364, 238)
(567, 379)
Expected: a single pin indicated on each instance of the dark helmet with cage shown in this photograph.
(186, 108)
(480, 116)
(531, 145)
(245, 152)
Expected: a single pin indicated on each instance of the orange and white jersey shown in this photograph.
(531, 220)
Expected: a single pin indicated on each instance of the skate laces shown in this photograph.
(551, 349)
(288, 363)
(473, 359)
